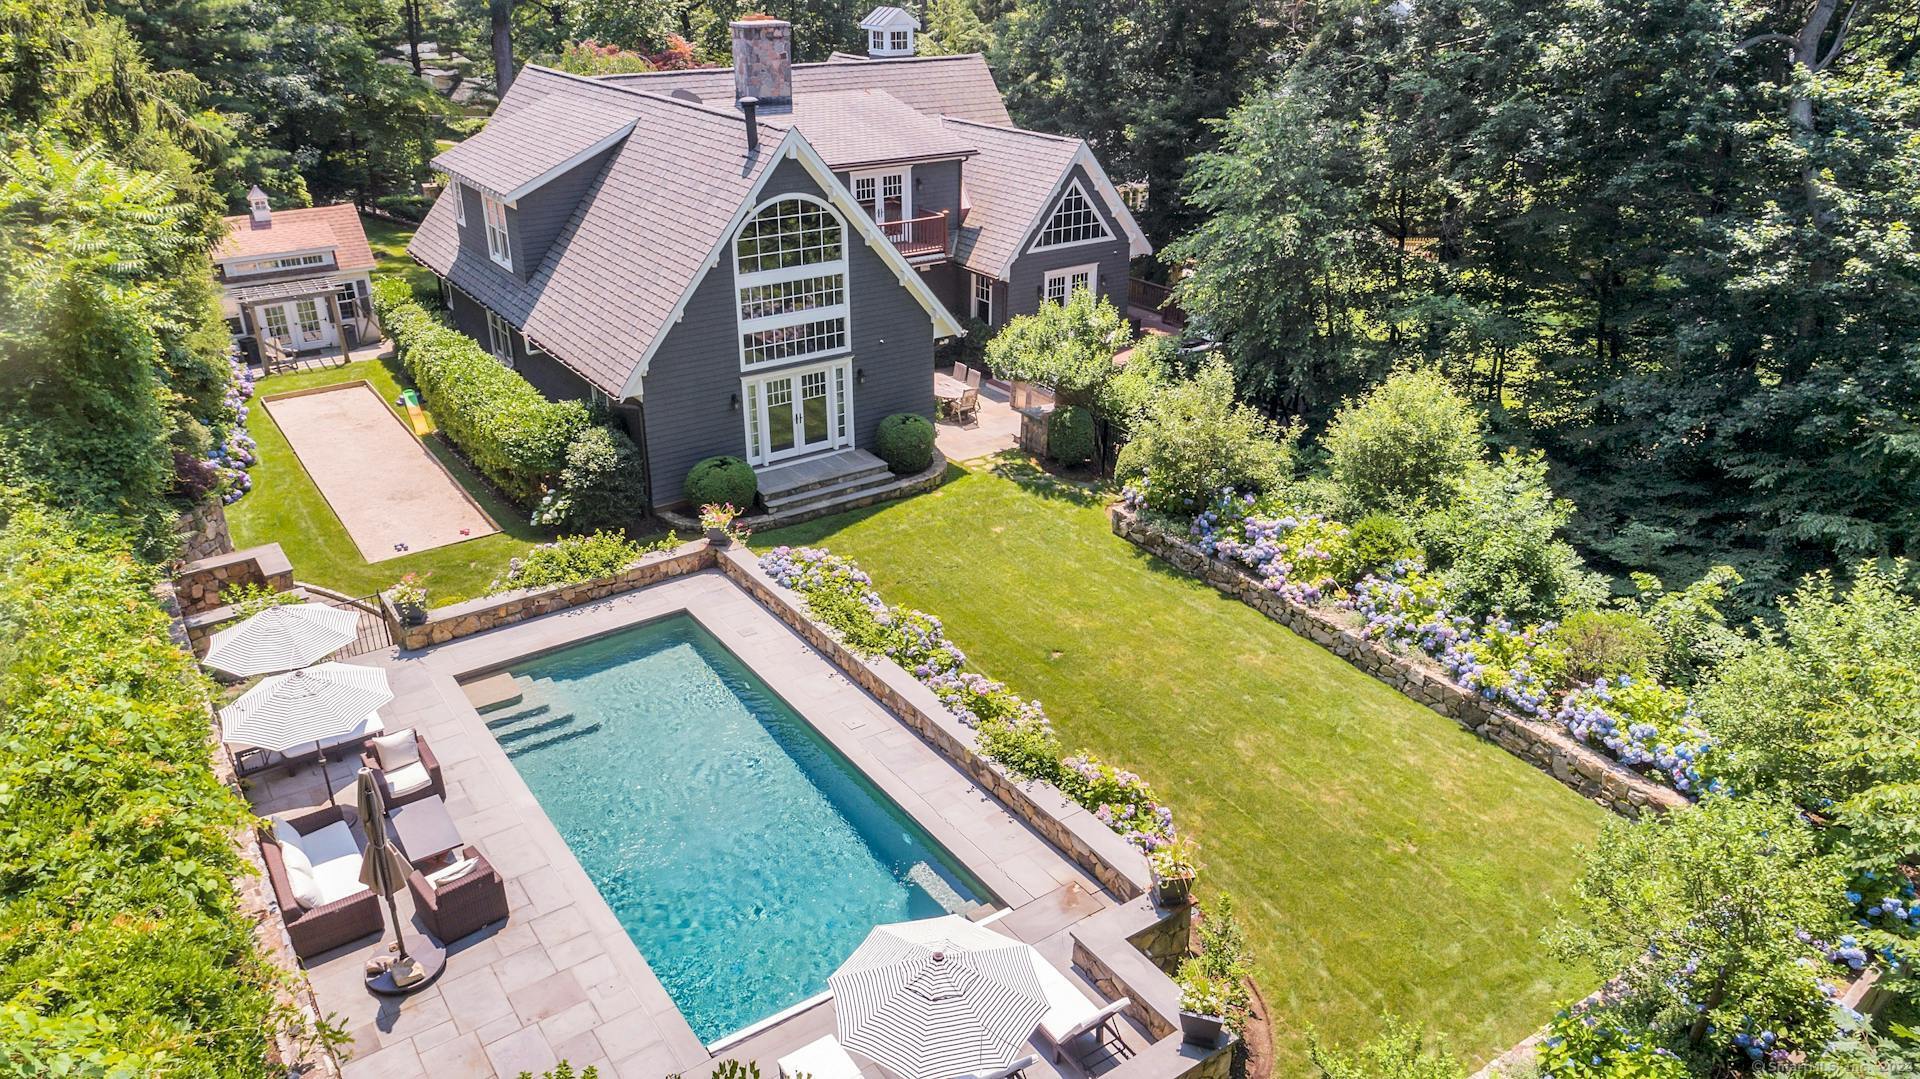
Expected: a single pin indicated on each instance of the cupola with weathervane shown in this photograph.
(890, 32)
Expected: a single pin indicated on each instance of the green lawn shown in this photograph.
(389, 242)
(285, 507)
(1383, 859)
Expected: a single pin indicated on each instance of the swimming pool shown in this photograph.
(745, 856)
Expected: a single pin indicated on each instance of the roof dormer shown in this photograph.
(890, 32)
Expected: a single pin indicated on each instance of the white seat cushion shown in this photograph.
(397, 750)
(822, 1059)
(292, 854)
(336, 880)
(326, 844)
(303, 885)
(408, 778)
(452, 873)
(1067, 1006)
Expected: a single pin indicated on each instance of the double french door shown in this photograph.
(299, 324)
(798, 412)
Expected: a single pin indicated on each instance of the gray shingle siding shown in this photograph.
(547, 374)
(936, 187)
(1030, 268)
(543, 213)
(688, 391)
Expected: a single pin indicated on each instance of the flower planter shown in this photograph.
(719, 538)
(412, 614)
(1172, 891)
(1198, 1029)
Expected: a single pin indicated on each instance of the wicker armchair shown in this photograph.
(459, 907)
(436, 788)
(317, 929)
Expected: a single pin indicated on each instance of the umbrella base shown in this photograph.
(431, 959)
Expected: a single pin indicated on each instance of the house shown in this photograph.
(296, 278)
(758, 260)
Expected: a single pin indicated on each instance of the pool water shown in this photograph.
(743, 854)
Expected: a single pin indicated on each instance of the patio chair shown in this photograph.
(819, 1059)
(1015, 1070)
(404, 766)
(972, 379)
(967, 408)
(962, 372)
(461, 899)
(1070, 1015)
(313, 864)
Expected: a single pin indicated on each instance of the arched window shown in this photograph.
(791, 272)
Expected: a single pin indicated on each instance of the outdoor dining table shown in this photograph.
(947, 389)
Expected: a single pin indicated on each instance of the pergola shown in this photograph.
(307, 288)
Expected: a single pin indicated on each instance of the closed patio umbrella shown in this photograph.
(937, 998)
(327, 700)
(384, 870)
(282, 638)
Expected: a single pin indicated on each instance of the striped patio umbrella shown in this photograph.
(282, 638)
(324, 701)
(938, 998)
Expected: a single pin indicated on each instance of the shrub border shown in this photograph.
(1583, 769)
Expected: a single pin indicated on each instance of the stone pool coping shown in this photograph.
(562, 979)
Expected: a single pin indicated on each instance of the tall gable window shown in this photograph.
(791, 274)
(497, 247)
(1074, 221)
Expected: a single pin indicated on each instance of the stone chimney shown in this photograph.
(763, 60)
(258, 208)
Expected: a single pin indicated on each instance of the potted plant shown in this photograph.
(1205, 1001)
(718, 519)
(409, 596)
(1174, 869)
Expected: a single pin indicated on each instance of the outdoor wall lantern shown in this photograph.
(733, 403)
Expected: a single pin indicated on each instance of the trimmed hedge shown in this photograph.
(722, 481)
(513, 435)
(905, 442)
(123, 949)
(1070, 435)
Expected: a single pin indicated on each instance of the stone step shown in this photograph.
(780, 482)
(495, 691)
(829, 492)
(838, 501)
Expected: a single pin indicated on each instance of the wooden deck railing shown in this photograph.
(1155, 297)
(919, 236)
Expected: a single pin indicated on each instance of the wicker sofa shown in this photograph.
(317, 929)
(461, 906)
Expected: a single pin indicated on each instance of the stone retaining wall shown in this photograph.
(203, 532)
(458, 620)
(198, 584)
(1542, 745)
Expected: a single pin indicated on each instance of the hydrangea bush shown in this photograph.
(234, 451)
(1013, 731)
(1295, 554)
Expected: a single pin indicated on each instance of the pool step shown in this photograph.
(523, 748)
(537, 710)
(931, 882)
(497, 690)
(521, 734)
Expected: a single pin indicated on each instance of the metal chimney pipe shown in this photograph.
(750, 106)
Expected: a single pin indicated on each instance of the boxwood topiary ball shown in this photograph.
(905, 442)
(719, 480)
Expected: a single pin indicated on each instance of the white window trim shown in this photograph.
(750, 417)
(905, 172)
(1067, 274)
(973, 299)
(500, 339)
(1071, 188)
(499, 245)
(743, 281)
(458, 191)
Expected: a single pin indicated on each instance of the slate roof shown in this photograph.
(959, 86)
(608, 284)
(866, 127)
(300, 229)
(532, 140)
(1009, 181)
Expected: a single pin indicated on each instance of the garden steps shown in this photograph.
(806, 486)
